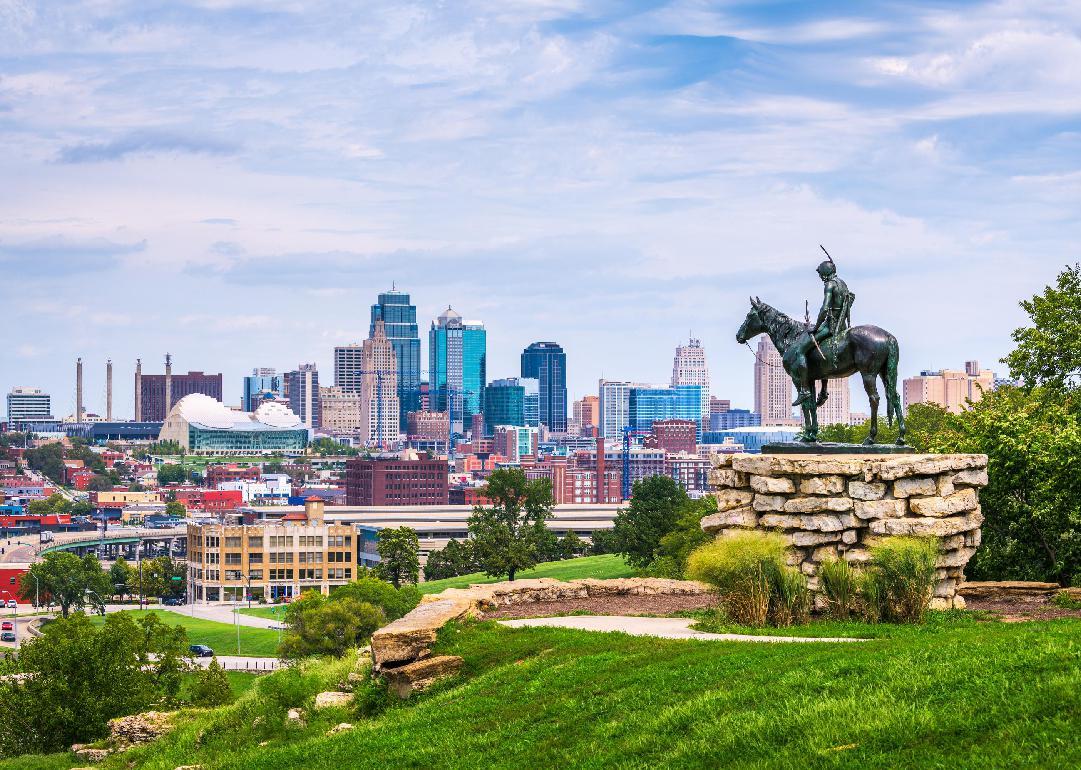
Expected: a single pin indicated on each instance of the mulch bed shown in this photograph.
(1022, 608)
(647, 604)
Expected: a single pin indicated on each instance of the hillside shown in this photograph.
(601, 567)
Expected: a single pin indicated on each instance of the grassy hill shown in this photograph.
(607, 566)
(220, 637)
(955, 693)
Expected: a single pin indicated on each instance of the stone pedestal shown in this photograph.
(834, 506)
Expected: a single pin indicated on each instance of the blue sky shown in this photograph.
(233, 182)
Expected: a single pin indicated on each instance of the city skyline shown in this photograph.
(663, 162)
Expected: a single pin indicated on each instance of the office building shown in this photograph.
(457, 368)
(380, 423)
(504, 403)
(586, 413)
(531, 401)
(675, 436)
(772, 386)
(258, 385)
(646, 405)
(339, 411)
(838, 404)
(302, 390)
(515, 442)
(400, 480)
(734, 418)
(949, 388)
(689, 368)
(719, 405)
(204, 426)
(547, 363)
(157, 394)
(689, 470)
(399, 317)
(614, 405)
(347, 367)
(428, 426)
(28, 404)
(270, 561)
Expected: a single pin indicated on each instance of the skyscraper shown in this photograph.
(156, 394)
(302, 388)
(838, 406)
(29, 404)
(379, 412)
(399, 317)
(531, 401)
(260, 381)
(457, 367)
(772, 386)
(614, 397)
(689, 368)
(347, 367)
(546, 362)
(504, 404)
(950, 388)
(587, 412)
(648, 404)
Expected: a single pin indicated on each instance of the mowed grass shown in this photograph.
(602, 567)
(957, 693)
(220, 637)
(273, 612)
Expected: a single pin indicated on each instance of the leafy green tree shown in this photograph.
(603, 541)
(211, 686)
(319, 626)
(548, 546)
(570, 545)
(51, 506)
(1049, 351)
(506, 534)
(394, 602)
(175, 510)
(922, 422)
(99, 483)
(670, 558)
(70, 581)
(399, 555)
(654, 510)
(47, 459)
(123, 578)
(82, 676)
(170, 473)
(156, 578)
(454, 559)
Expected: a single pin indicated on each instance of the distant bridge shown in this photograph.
(117, 543)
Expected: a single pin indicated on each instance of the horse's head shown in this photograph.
(753, 325)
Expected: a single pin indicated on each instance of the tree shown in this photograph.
(394, 602)
(571, 545)
(47, 459)
(99, 483)
(321, 626)
(1049, 351)
(454, 559)
(82, 676)
(652, 514)
(399, 555)
(69, 580)
(922, 423)
(175, 510)
(211, 686)
(670, 558)
(54, 505)
(170, 473)
(157, 577)
(506, 534)
(122, 577)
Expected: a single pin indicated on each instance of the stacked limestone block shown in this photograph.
(835, 506)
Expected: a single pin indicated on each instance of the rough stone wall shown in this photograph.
(834, 506)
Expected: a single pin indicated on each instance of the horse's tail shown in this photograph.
(890, 378)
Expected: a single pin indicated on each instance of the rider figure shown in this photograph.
(833, 320)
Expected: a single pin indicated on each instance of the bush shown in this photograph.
(211, 686)
(318, 626)
(743, 568)
(790, 598)
(840, 585)
(394, 602)
(904, 568)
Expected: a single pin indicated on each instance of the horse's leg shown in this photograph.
(825, 394)
(813, 410)
(871, 386)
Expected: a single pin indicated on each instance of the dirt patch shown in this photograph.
(630, 604)
(1022, 608)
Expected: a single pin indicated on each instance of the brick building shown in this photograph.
(676, 435)
(406, 480)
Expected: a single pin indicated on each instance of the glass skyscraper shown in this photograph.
(399, 319)
(646, 405)
(504, 404)
(546, 362)
(259, 382)
(457, 368)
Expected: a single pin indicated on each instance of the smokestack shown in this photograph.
(168, 383)
(109, 390)
(138, 390)
(79, 390)
(602, 486)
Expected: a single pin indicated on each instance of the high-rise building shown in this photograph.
(399, 317)
(689, 368)
(734, 418)
(380, 423)
(347, 367)
(719, 405)
(772, 386)
(29, 404)
(504, 404)
(647, 404)
(546, 362)
(674, 436)
(428, 426)
(257, 385)
(404, 480)
(302, 389)
(838, 404)
(950, 388)
(531, 401)
(457, 367)
(157, 394)
(587, 412)
(339, 411)
(614, 405)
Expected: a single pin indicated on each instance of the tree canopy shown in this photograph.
(507, 535)
(1049, 351)
(70, 581)
(399, 555)
(652, 514)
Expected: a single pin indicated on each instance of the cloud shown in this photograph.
(57, 256)
(218, 221)
(144, 143)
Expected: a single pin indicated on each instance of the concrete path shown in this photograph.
(221, 613)
(242, 663)
(666, 628)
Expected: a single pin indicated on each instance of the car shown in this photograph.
(201, 651)
(7, 636)
(173, 601)
(7, 625)
(11, 604)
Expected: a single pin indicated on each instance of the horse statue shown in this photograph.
(866, 349)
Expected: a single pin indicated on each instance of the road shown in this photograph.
(222, 613)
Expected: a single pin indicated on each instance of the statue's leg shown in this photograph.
(824, 395)
(870, 385)
(799, 376)
(813, 411)
(808, 434)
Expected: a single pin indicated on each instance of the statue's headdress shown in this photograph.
(829, 267)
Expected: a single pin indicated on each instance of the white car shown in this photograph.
(11, 604)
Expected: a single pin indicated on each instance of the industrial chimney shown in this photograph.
(602, 486)
(168, 383)
(109, 390)
(79, 390)
(138, 390)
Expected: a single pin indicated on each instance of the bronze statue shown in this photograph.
(830, 348)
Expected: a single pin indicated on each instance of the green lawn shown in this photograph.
(607, 566)
(273, 612)
(221, 637)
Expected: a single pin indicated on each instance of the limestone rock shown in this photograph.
(973, 538)
(407, 679)
(139, 728)
(808, 568)
(945, 589)
(294, 718)
(805, 539)
(1007, 589)
(857, 555)
(904, 466)
(411, 637)
(822, 523)
(866, 490)
(92, 755)
(850, 536)
(738, 517)
(800, 465)
(926, 525)
(340, 728)
(822, 485)
(915, 486)
(722, 460)
(332, 699)
(815, 504)
(824, 553)
(726, 477)
(977, 477)
(772, 485)
(965, 500)
(780, 521)
(768, 503)
(958, 558)
(944, 484)
(880, 509)
(727, 499)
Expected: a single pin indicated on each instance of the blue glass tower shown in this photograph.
(399, 319)
(457, 368)
(258, 383)
(683, 402)
(547, 363)
(504, 404)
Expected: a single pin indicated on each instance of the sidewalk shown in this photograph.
(665, 628)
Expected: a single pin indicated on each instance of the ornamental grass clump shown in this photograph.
(904, 569)
(790, 599)
(840, 583)
(743, 567)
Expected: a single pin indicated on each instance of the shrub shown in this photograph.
(394, 602)
(904, 568)
(790, 598)
(211, 686)
(741, 567)
(840, 585)
(1067, 602)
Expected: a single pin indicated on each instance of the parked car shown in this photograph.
(7, 625)
(201, 651)
(7, 636)
(11, 604)
(173, 601)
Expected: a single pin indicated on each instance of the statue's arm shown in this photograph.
(823, 313)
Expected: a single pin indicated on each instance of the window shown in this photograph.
(255, 574)
(233, 542)
(234, 574)
(281, 558)
(281, 574)
(232, 558)
(255, 558)
(213, 558)
(255, 542)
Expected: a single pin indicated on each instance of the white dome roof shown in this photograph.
(203, 409)
(277, 415)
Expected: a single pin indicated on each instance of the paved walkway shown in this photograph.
(666, 628)
(221, 613)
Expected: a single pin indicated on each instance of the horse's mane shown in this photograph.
(785, 328)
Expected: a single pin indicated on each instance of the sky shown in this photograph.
(234, 181)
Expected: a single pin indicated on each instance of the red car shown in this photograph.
(7, 625)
